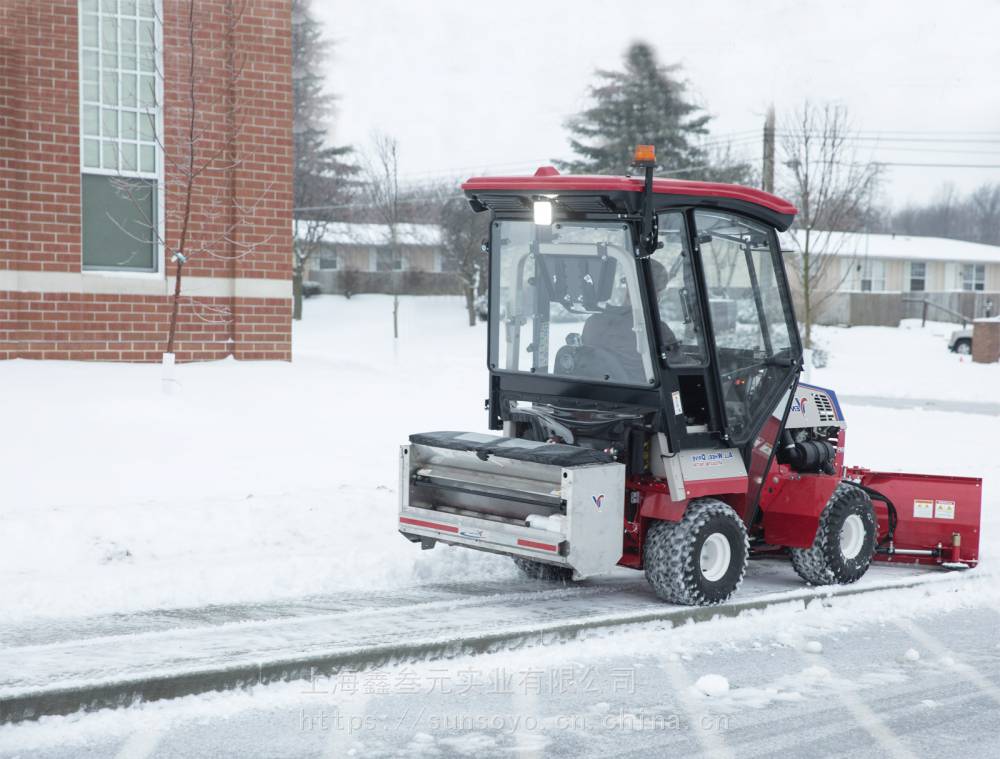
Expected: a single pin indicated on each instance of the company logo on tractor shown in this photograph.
(598, 500)
(800, 405)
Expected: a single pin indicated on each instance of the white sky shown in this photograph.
(469, 86)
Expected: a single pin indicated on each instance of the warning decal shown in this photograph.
(923, 509)
(676, 397)
(944, 509)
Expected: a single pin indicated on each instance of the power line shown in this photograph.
(942, 165)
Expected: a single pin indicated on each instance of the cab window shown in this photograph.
(753, 346)
(680, 331)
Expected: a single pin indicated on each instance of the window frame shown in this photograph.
(158, 271)
(975, 269)
(866, 273)
(910, 278)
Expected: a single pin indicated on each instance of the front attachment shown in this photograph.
(559, 504)
(924, 518)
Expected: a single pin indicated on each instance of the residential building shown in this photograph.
(360, 258)
(881, 278)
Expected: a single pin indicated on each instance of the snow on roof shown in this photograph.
(349, 233)
(904, 247)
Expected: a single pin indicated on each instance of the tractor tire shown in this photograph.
(700, 560)
(963, 346)
(538, 570)
(845, 540)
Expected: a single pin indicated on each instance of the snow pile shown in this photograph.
(911, 654)
(712, 685)
(813, 647)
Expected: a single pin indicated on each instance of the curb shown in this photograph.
(88, 697)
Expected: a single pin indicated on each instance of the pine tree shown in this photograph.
(643, 105)
(321, 175)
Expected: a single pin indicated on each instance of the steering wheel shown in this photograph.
(588, 361)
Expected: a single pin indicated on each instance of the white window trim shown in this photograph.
(909, 276)
(161, 205)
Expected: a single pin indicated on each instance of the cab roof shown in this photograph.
(600, 194)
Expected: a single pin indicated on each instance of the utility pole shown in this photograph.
(767, 175)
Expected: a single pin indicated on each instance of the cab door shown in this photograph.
(755, 346)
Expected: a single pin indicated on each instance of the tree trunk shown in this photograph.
(470, 304)
(395, 316)
(297, 294)
(807, 299)
(172, 333)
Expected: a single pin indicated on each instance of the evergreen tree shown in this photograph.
(645, 104)
(321, 176)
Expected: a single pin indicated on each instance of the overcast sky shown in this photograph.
(468, 87)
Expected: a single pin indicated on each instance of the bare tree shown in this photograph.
(975, 217)
(380, 170)
(203, 211)
(833, 189)
(462, 235)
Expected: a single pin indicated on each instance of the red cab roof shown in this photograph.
(548, 180)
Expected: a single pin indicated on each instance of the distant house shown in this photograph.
(881, 278)
(359, 258)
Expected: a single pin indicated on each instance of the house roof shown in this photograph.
(901, 247)
(349, 233)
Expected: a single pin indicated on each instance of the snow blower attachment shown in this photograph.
(644, 372)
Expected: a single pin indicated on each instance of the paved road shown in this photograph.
(53, 667)
(917, 673)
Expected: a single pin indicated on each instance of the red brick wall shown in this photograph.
(39, 142)
(85, 327)
(241, 225)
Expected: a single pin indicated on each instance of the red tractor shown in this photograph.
(644, 368)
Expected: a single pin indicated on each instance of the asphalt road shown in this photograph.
(857, 680)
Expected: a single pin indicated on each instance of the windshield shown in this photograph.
(566, 302)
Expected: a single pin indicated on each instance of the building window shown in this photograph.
(328, 260)
(973, 276)
(918, 276)
(870, 275)
(119, 119)
(388, 260)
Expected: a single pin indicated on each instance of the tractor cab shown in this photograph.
(636, 299)
(643, 364)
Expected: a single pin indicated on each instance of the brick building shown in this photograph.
(94, 110)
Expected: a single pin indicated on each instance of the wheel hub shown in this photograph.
(715, 557)
(852, 536)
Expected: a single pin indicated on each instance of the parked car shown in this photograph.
(961, 341)
(310, 289)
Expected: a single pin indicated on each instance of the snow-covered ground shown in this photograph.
(908, 362)
(266, 480)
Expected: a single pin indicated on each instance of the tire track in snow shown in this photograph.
(863, 714)
(966, 672)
